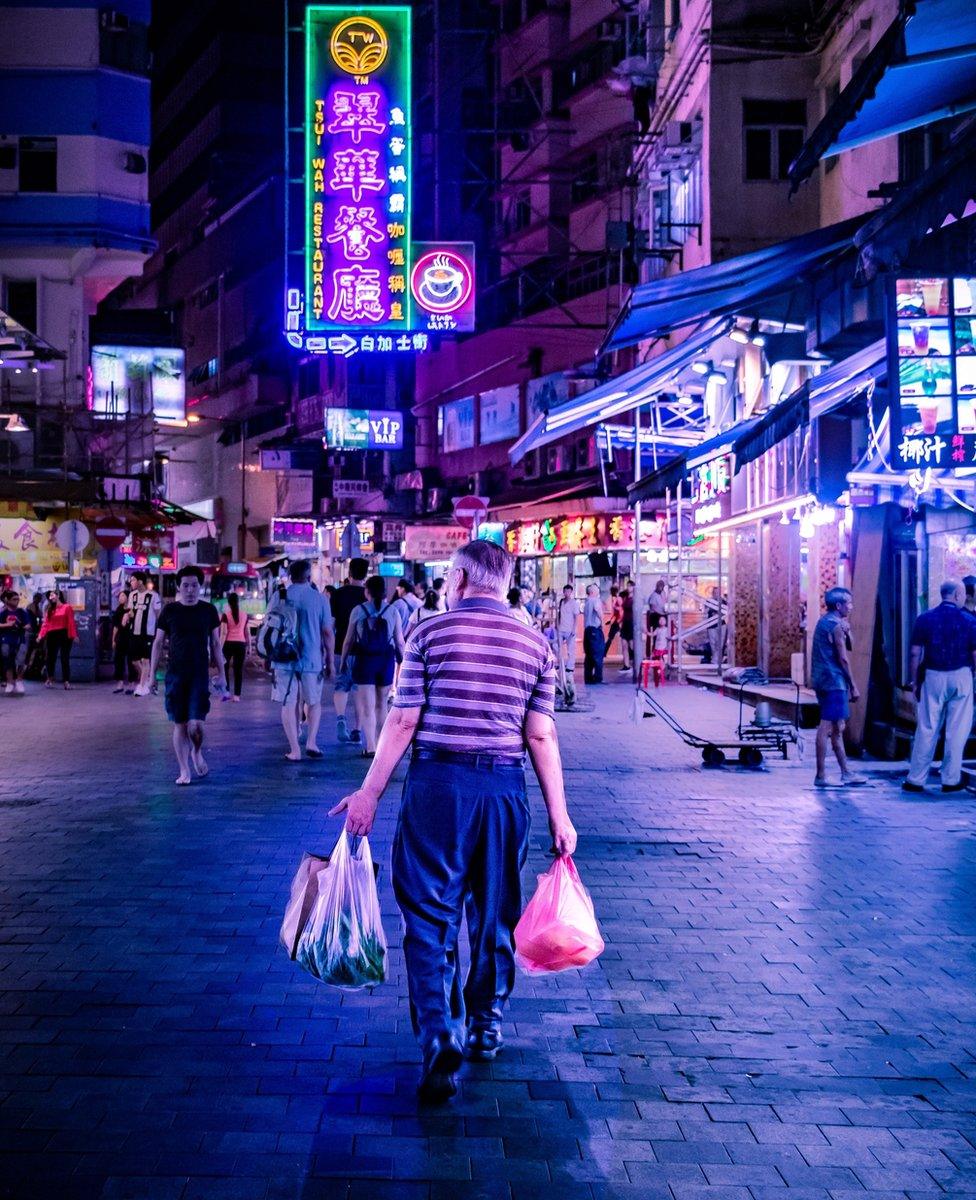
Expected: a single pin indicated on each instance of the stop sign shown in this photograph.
(470, 510)
(110, 536)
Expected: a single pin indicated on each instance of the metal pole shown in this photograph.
(638, 655)
(242, 528)
(718, 654)
(681, 598)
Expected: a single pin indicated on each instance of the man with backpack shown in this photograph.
(373, 645)
(297, 639)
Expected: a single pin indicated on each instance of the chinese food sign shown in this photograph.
(576, 535)
(932, 372)
(363, 429)
(357, 173)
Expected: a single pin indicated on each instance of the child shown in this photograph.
(193, 628)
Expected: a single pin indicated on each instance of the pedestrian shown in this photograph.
(34, 651)
(532, 606)
(373, 647)
(566, 618)
(657, 611)
(125, 674)
(516, 607)
(626, 629)
(346, 598)
(145, 606)
(594, 645)
(969, 583)
(476, 691)
(616, 617)
(943, 655)
(834, 684)
(233, 625)
(192, 626)
(404, 602)
(15, 624)
(420, 589)
(439, 587)
(300, 681)
(59, 632)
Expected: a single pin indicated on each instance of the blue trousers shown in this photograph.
(459, 847)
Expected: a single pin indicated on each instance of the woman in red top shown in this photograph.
(58, 631)
(234, 626)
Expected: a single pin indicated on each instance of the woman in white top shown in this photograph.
(516, 608)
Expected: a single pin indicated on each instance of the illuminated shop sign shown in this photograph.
(152, 552)
(711, 491)
(442, 285)
(137, 379)
(286, 531)
(578, 535)
(932, 372)
(363, 429)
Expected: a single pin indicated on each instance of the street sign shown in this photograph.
(110, 536)
(470, 510)
(72, 536)
(347, 489)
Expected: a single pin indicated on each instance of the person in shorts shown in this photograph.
(300, 682)
(834, 684)
(145, 606)
(192, 626)
(15, 626)
(374, 646)
(344, 600)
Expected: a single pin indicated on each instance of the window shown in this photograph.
(38, 165)
(21, 302)
(586, 179)
(773, 135)
(123, 43)
(918, 149)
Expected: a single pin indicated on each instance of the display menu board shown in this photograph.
(932, 372)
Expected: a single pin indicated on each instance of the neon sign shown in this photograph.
(442, 285)
(578, 535)
(357, 173)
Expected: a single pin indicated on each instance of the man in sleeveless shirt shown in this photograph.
(834, 684)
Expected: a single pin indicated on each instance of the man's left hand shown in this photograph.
(360, 809)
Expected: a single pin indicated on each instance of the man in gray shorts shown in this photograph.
(301, 681)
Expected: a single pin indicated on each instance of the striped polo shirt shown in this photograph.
(475, 671)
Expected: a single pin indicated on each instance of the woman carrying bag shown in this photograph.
(374, 643)
(58, 632)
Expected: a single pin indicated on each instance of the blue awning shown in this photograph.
(724, 288)
(620, 395)
(923, 69)
(653, 486)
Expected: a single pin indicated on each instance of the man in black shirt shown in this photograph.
(344, 600)
(192, 626)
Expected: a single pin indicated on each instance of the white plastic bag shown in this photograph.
(343, 941)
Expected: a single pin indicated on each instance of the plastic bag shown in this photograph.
(343, 942)
(304, 890)
(558, 929)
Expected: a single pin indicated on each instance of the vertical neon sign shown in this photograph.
(358, 175)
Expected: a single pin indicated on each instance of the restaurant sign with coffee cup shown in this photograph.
(932, 372)
(442, 286)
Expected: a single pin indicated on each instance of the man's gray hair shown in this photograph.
(487, 566)
(950, 589)
(836, 596)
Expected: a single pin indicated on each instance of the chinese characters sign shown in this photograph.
(288, 532)
(150, 551)
(578, 535)
(932, 372)
(29, 547)
(357, 173)
(711, 491)
(363, 429)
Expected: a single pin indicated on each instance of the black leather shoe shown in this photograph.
(483, 1044)
(442, 1058)
(912, 787)
(954, 787)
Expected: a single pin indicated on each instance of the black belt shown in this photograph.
(470, 758)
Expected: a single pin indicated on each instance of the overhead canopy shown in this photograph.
(724, 288)
(619, 395)
(749, 439)
(922, 69)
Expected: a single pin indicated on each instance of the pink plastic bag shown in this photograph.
(558, 929)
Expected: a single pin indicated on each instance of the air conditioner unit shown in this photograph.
(113, 21)
(585, 453)
(678, 133)
(530, 465)
(558, 459)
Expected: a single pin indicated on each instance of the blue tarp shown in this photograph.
(726, 287)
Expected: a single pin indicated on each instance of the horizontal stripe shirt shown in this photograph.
(475, 672)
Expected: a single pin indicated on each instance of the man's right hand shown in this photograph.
(563, 837)
(855, 695)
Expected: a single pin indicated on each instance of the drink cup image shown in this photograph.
(932, 296)
(928, 412)
(921, 335)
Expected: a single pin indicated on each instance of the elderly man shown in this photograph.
(476, 691)
(834, 684)
(943, 655)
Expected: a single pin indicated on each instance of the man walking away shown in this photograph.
(345, 599)
(192, 626)
(404, 603)
(834, 684)
(969, 583)
(374, 646)
(616, 617)
(943, 655)
(566, 618)
(145, 606)
(594, 645)
(300, 681)
(476, 690)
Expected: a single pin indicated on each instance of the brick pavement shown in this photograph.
(784, 1010)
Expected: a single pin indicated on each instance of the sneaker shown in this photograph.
(354, 736)
(820, 782)
(236, 699)
(19, 688)
(141, 691)
(9, 689)
(342, 732)
(852, 780)
(120, 688)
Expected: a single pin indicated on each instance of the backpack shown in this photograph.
(372, 634)
(279, 639)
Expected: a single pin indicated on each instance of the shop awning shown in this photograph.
(944, 194)
(654, 486)
(724, 288)
(922, 69)
(620, 395)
